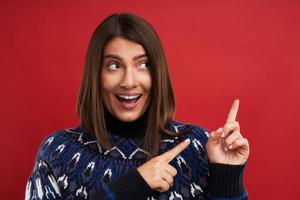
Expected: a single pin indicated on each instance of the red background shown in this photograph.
(217, 51)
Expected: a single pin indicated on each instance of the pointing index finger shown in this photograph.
(233, 111)
(171, 154)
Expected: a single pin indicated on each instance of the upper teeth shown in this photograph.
(128, 97)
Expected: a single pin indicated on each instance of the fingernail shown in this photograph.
(219, 130)
(230, 147)
(187, 140)
(223, 134)
(225, 149)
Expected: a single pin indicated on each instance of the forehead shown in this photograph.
(123, 48)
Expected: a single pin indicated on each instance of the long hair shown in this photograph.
(90, 106)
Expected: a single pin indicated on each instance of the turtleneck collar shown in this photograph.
(134, 129)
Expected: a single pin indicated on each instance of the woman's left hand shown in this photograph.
(227, 145)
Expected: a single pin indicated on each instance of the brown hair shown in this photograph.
(90, 105)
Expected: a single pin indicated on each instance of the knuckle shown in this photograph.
(236, 142)
(154, 184)
(236, 134)
(227, 141)
(228, 127)
(156, 165)
(166, 187)
(158, 159)
(153, 160)
(158, 162)
(156, 178)
(246, 141)
(162, 187)
(239, 135)
(170, 179)
(175, 172)
(157, 171)
(236, 124)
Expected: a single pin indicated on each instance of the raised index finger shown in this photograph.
(171, 154)
(233, 111)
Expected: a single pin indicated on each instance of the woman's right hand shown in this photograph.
(157, 172)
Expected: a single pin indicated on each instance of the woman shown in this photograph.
(127, 145)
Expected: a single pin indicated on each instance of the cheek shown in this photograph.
(147, 86)
(108, 82)
(147, 82)
(107, 86)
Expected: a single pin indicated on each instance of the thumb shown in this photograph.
(215, 136)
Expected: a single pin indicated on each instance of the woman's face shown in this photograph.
(125, 80)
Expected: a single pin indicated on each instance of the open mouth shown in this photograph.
(128, 98)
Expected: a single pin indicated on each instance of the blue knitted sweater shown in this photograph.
(71, 165)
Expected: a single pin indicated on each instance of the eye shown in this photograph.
(113, 66)
(144, 64)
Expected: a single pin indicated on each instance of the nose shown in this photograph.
(129, 79)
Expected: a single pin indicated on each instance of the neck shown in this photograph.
(132, 129)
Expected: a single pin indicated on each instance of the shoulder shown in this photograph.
(197, 135)
(190, 131)
(63, 141)
(62, 136)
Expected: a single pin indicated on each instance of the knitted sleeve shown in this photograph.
(53, 178)
(42, 183)
(225, 182)
(129, 186)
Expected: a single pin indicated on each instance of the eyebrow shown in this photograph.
(119, 58)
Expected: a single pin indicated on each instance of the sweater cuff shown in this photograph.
(130, 186)
(225, 180)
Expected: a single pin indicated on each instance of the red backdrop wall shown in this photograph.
(217, 51)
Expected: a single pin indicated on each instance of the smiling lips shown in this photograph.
(128, 101)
